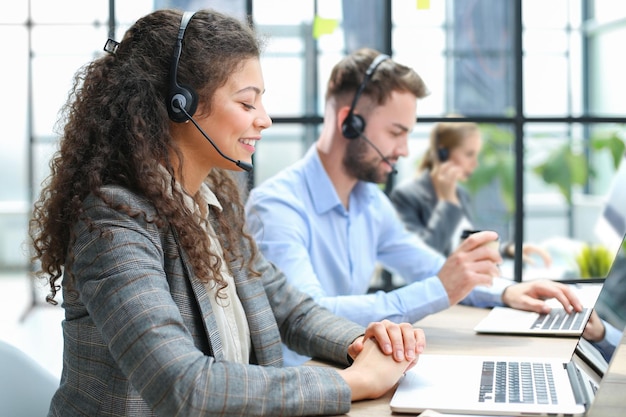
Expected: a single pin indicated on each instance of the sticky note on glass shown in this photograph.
(423, 4)
(322, 26)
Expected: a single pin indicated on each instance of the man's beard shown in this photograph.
(358, 166)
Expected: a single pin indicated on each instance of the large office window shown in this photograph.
(544, 82)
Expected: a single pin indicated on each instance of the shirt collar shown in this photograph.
(323, 193)
(205, 193)
(209, 196)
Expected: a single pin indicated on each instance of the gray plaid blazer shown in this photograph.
(140, 338)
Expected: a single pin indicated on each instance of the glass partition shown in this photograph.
(476, 57)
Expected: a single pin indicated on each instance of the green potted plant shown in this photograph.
(565, 168)
(496, 162)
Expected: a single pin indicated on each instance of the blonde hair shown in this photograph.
(447, 135)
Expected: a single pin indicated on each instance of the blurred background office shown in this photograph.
(544, 80)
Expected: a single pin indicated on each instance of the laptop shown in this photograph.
(503, 385)
(505, 320)
(610, 228)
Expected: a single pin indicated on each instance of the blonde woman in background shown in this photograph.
(434, 204)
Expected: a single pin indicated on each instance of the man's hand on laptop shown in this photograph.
(531, 296)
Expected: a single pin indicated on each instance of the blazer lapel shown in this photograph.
(204, 304)
(264, 332)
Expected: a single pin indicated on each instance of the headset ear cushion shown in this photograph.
(189, 100)
(353, 126)
(442, 154)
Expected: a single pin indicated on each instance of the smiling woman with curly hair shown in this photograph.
(169, 307)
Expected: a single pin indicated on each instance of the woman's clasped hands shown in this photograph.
(381, 356)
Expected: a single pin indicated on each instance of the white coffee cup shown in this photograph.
(494, 243)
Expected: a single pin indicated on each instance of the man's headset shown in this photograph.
(354, 124)
(182, 100)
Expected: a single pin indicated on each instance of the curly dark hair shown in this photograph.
(116, 130)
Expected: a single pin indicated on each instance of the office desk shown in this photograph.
(451, 332)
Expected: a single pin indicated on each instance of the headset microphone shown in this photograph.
(241, 164)
(383, 157)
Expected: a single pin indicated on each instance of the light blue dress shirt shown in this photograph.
(331, 253)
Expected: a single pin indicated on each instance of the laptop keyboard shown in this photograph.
(559, 319)
(517, 382)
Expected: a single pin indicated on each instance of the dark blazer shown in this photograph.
(434, 221)
(141, 338)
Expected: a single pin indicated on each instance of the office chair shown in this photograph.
(26, 388)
